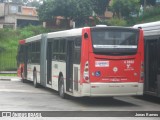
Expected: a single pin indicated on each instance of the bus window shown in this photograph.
(115, 41)
(59, 49)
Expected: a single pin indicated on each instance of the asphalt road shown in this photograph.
(18, 96)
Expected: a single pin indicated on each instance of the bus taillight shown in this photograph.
(86, 72)
(142, 72)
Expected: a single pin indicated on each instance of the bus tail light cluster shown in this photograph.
(142, 72)
(86, 72)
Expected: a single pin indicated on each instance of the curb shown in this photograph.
(8, 72)
(5, 78)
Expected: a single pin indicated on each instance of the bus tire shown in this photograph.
(22, 76)
(35, 79)
(61, 87)
(23, 80)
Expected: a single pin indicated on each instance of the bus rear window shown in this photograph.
(119, 41)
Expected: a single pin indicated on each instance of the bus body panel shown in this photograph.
(121, 71)
(76, 79)
(111, 70)
(84, 54)
(116, 89)
(57, 68)
(30, 69)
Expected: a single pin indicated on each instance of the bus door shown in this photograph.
(25, 60)
(151, 54)
(69, 66)
(49, 63)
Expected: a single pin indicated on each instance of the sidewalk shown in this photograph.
(10, 78)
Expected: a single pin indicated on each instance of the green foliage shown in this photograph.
(148, 2)
(150, 15)
(152, 11)
(117, 22)
(34, 3)
(31, 31)
(45, 10)
(99, 6)
(77, 10)
(123, 8)
(7, 74)
(9, 43)
(8, 60)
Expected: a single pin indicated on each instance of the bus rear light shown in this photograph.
(86, 78)
(86, 72)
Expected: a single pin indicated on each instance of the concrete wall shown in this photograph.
(1, 25)
(6, 9)
(2, 20)
(24, 17)
(1, 9)
(14, 12)
(10, 19)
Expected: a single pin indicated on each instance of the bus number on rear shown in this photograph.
(129, 61)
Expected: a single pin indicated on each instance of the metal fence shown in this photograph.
(8, 61)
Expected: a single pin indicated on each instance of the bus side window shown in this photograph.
(62, 50)
(59, 49)
(29, 45)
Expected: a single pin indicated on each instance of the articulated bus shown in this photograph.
(90, 61)
(152, 57)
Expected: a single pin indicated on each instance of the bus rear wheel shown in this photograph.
(61, 87)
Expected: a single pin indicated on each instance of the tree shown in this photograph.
(45, 11)
(99, 6)
(1, 1)
(148, 2)
(123, 8)
(17, 1)
(76, 10)
(35, 3)
(32, 3)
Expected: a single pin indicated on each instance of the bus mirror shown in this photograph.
(86, 35)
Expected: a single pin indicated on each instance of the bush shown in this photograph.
(116, 22)
(150, 15)
(9, 43)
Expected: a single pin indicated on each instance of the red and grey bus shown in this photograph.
(152, 57)
(90, 61)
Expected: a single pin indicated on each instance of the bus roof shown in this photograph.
(34, 38)
(65, 33)
(152, 28)
(68, 33)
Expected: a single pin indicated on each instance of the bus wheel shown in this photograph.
(35, 79)
(61, 87)
(23, 80)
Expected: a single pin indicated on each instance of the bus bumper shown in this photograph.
(112, 89)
